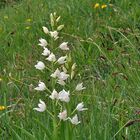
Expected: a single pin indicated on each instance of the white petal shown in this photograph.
(41, 86)
(64, 46)
(63, 115)
(74, 120)
(56, 73)
(61, 82)
(43, 42)
(80, 87)
(62, 60)
(41, 106)
(51, 58)
(54, 95)
(80, 107)
(38, 109)
(40, 65)
(64, 96)
(54, 34)
(46, 52)
(63, 76)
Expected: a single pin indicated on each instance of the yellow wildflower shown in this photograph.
(103, 6)
(2, 108)
(96, 5)
(0, 79)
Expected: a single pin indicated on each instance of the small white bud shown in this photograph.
(58, 19)
(60, 27)
(52, 19)
(45, 29)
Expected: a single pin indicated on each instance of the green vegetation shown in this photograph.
(105, 45)
(4, 3)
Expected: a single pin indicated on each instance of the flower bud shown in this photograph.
(69, 59)
(58, 19)
(73, 66)
(0, 79)
(64, 69)
(52, 19)
(54, 14)
(45, 29)
(60, 27)
(72, 74)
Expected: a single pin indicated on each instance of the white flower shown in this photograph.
(46, 52)
(64, 96)
(80, 87)
(54, 34)
(54, 95)
(51, 58)
(80, 107)
(63, 76)
(56, 73)
(40, 65)
(41, 106)
(45, 29)
(60, 75)
(62, 60)
(60, 27)
(63, 115)
(43, 42)
(61, 82)
(64, 46)
(41, 86)
(74, 120)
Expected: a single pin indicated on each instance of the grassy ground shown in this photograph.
(105, 44)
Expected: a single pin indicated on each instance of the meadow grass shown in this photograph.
(105, 46)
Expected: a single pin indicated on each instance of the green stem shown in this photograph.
(54, 123)
(73, 111)
(55, 128)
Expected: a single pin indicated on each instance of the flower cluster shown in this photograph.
(56, 64)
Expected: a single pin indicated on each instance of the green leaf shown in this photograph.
(48, 133)
(26, 132)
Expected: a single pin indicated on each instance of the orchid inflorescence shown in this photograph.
(58, 72)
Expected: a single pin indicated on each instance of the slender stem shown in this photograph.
(48, 68)
(55, 125)
(73, 111)
(50, 113)
(11, 78)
